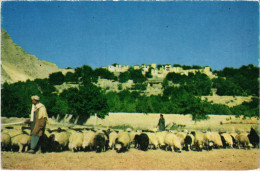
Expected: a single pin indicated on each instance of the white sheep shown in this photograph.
(198, 139)
(209, 140)
(18, 138)
(5, 141)
(122, 142)
(181, 136)
(243, 140)
(22, 141)
(228, 139)
(88, 140)
(112, 139)
(75, 140)
(60, 140)
(160, 137)
(217, 139)
(234, 138)
(171, 140)
(153, 141)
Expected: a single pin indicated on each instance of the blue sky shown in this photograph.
(217, 34)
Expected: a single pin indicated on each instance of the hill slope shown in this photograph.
(18, 65)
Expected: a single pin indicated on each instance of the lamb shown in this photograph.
(243, 140)
(188, 142)
(122, 142)
(112, 139)
(88, 141)
(227, 140)
(5, 142)
(75, 141)
(171, 140)
(153, 140)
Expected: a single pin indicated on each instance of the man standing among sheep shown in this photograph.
(161, 123)
(38, 121)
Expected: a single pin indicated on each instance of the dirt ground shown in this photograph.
(218, 159)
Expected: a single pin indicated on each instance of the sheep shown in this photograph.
(132, 137)
(112, 139)
(12, 132)
(100, 142)
(171, 140)
(88, 141)
(227, 140)
(142, 141)
(153, 140)
(5, 142)
(137, 141)
(209, 140)
(234, 139)
(75, 141)
(59, 140)
(253, 138)
(217, 140)
(18, 138)
(160, 137)
(198, 139)
(22, 141)
(122, 142)
(243, 140)
(181, 136)
(47, 142)
(188, 142)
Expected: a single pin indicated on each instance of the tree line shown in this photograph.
(89, 99)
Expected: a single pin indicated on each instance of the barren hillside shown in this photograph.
(18, 65)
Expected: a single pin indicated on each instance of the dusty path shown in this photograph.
(222, 159)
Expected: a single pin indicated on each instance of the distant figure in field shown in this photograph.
(37, 121)
(161, 123)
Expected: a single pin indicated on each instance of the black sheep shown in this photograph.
(142, 141)
(100, 142)
(253, 138)
(188, 142)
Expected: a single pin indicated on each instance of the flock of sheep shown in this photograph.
(100, 140)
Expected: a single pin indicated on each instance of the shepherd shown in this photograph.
(38, 119)
(161, 123)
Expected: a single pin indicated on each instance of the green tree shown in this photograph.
(86, 101)
(70, 77)
(149, 73)
(16, 98)
(104, 73)
(56, 78)
(124, 77)
(137, 76)
(45, 87)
